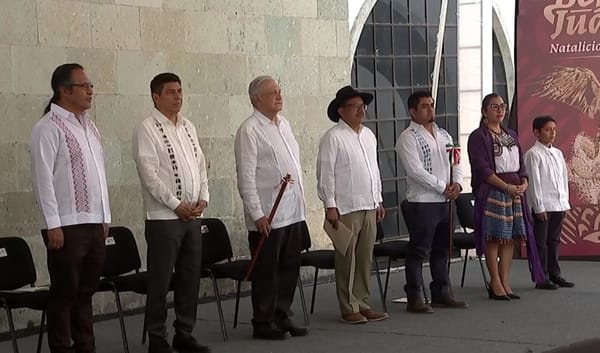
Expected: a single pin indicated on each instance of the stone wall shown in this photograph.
(216, 46)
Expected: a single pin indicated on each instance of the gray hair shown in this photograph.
(254, 86)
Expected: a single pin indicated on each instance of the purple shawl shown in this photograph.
(481, 157)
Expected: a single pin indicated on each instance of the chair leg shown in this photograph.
(381, 294)
(41, 333)
(122, 321)
(387, 278)
(485, 281)
(303, 301)
(144, 331)
(314, 292)
(220, 309)
(462, 281)
(11, 327)
(237, 304)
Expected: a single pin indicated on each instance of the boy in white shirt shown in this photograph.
(548, 196)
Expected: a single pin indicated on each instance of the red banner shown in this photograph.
(558, 72)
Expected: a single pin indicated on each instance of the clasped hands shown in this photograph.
(187, 212)
(516, 190)
(452, 191)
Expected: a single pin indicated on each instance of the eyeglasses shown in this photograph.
(84, 85)
(496, 107)
(357, 106)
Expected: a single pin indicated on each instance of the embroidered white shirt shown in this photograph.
(548, 189)
(67, 164)
(426, 162)
(265, 152)
(347, 169)
(508, 161)
(170, 164)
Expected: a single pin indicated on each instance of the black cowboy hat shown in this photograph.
(343, 95)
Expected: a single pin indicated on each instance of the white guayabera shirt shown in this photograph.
(265, 151)
(548, 189)
(347, 169)
(170, 164)
(426, 163)
(67, 164)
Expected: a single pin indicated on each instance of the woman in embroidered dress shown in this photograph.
(499, 182)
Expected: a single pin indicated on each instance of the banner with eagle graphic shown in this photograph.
(558, 71)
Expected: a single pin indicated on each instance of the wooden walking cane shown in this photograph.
(284, 182)
(454, 159)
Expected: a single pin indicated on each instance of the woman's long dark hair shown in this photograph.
(61, 77)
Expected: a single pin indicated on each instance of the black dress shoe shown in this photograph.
(188, 344)
(295, 331)
(561, 282)
(546, 285)
(158, 345)
(495, 296)
(269, 333)
(513, 296)
(449, 302)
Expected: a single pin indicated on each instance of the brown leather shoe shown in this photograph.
(353, 318)
(449, 303)
(419, 307)
(373, 315)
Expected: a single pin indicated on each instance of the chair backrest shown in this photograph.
(466, 210)
(16, 264)
(216, 245)
(306, 242)
(380, 234)
(122, 254)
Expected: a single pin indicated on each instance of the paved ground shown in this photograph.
(540, 321)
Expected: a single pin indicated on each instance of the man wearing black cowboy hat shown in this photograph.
(349, 185)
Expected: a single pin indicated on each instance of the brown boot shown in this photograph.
(419, 307)
(353, 318)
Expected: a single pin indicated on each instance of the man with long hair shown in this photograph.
(67, 164)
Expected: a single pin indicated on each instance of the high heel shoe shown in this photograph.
(494, 296)
(513, 296)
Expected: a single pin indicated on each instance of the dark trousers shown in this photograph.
(74, 271)
(547, 240)
(275, 273)
(172, 245)
(428, 228)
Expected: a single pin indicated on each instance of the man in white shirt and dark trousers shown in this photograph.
(349, 185)
(422, 150)
(172, 171)
(548, 196)
(265, 151)
(69, 180)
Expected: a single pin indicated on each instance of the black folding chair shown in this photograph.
(319, 259)
(17, 270)
(122, 272)
(394, 250)
(464, 240)
(218, 263)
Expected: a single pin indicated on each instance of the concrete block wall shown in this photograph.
(215, 46)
